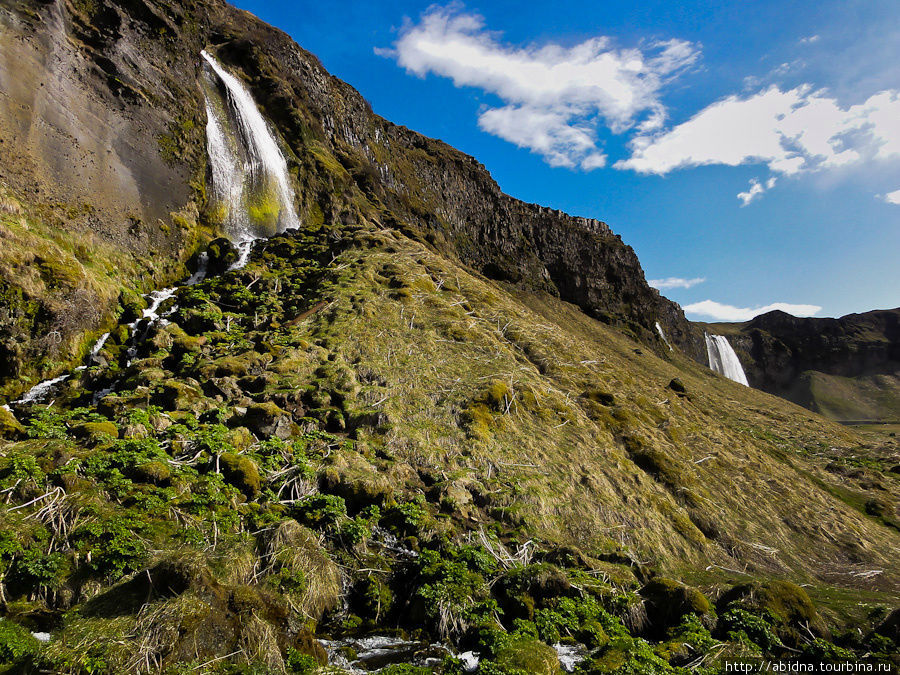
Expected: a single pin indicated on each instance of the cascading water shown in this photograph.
(252, 195)
(251, 191)
(723, 360)
(663, 336)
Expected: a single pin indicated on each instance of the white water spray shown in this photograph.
(663, 336)
(250, 182)
(40, 391)
(723, 360)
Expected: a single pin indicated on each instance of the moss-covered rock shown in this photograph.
(667, 601)
(156, 473)
(95, 432)
(626, 655)
(268, 420)
(10, 427)
(789, 603)
(353, 478)
(221, 254)
(527, 656)
(242, 472)
(175, 394)
(131, 306)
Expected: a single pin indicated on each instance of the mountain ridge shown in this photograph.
(433, 417)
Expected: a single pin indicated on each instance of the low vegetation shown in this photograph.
(353, 436)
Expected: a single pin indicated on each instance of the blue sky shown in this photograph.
(750, 152)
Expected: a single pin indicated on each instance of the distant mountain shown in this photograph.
(846, 368)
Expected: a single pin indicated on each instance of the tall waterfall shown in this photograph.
(252, 195)
(723, 360)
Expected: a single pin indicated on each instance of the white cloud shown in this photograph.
(892, 197)
(790, 131)
(720, 312)
(675, 282)
(809, 39)
(553, 96)
(755, 190)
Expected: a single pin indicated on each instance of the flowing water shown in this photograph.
(374, 652)
(723, 360)
(251, 187)
(663, 336)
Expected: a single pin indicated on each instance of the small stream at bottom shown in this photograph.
(373, 653)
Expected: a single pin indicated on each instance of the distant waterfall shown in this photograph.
(663, 336)
(252, 195)
(723, 360)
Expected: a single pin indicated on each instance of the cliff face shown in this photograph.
(101, 162)
(846, 368)
(448, 197)
(111, 90)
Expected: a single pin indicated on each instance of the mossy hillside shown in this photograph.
(320, 448)
(104, 212)
(59, 290)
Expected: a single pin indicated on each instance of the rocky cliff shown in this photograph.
(846, 368)
(102, 120)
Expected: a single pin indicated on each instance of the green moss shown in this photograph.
(95, 432)
(242, 472)
(157, 473)
(263, 208)
(667, 601)
(627, 656)
(9, 425)
(788, 602)
(525, 656)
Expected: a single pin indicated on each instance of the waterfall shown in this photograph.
(663, 336)
(251, 190)
(723, 360)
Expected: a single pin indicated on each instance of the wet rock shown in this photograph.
(9, 425)
(222, 254)
(267, 420)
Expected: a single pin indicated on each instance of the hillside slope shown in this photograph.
(412, 415)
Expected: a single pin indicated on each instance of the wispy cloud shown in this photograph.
(554, 97)
(755, 190)
(892, 197)
(790, 131)
(809, 39)
(675, 282)
(721, 312)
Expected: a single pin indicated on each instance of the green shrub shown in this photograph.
(739, 625)
(16, 643)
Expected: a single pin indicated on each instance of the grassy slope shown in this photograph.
(510, 413)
